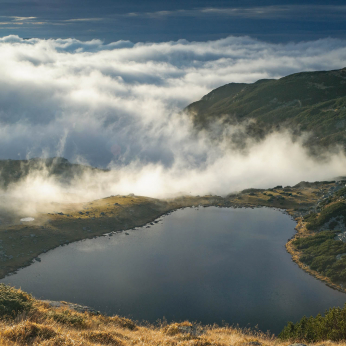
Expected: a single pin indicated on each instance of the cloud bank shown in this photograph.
(119, 106)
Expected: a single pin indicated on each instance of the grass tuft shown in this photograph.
(28, 332)
(69, 318)
(123, 322)
(104, 338)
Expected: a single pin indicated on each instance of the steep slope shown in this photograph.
(307, 101)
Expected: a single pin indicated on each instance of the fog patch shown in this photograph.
(119, 106)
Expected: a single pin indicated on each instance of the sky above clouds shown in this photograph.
(158, 21)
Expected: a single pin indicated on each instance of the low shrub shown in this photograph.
(315, 329)
(341, 192)
(13, 301)
(28, 332)
(319, 252)
(326, 214)
(69, 318)
(123, 322)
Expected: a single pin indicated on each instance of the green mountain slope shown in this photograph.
(307, 101)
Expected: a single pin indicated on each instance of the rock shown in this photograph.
(76, 307)
(193, 330)
(52, 303)
(338, 257)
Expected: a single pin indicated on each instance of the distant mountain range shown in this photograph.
(307, 101)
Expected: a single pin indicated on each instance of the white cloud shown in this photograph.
(119, 104)
(258, 12)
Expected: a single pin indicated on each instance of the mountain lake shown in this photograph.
(210, 265)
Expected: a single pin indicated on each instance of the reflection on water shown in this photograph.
(209, 265)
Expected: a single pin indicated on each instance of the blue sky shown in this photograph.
(160, 21)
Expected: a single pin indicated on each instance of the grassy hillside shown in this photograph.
(27, 321)
(307, 101)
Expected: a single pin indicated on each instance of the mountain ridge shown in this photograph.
(304, 102)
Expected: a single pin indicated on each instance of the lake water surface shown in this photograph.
(207, 264)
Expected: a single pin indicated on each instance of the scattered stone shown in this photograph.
(338, 257)
(192, 330)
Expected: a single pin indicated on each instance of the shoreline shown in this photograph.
(121, 213)
(295, 254)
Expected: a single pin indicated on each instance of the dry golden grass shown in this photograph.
(38, 327)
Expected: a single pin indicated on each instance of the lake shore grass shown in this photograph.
(27, 321)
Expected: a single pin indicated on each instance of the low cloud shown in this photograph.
(119, 105)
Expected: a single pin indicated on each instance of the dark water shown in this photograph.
(209, 265)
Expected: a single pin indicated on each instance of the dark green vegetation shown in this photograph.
(13, 302)
(320, 253)
(307, 101)
(332, 327)
(67, 317)
(333, 210)
(320, 247)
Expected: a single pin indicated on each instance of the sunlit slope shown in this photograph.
(307, 101)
